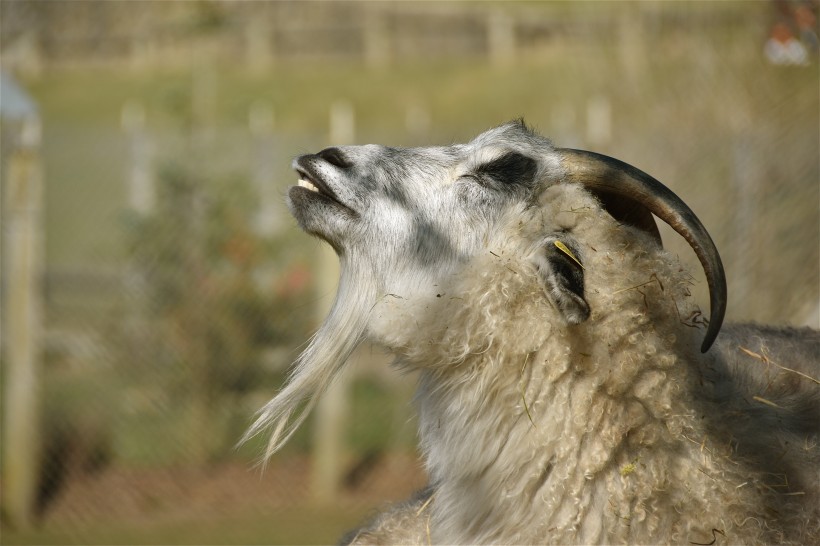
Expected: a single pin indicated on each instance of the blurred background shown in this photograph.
(155, 289)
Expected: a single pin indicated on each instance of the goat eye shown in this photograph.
(510, 168)
(469, 177)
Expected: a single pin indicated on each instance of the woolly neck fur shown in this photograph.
(600, 432)
(562, 394)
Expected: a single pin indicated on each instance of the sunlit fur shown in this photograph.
(535, 429)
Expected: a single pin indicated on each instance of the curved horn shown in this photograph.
(607, 175)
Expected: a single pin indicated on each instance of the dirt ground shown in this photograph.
(226, 503)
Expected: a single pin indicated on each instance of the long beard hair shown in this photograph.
(320, 363)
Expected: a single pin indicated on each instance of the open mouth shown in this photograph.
(305, 183)
(313, 183)
(312, 186)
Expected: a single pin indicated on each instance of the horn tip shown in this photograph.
(709, 340)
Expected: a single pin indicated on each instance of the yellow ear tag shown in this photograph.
(563, 248)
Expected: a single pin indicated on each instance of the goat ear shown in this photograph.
(562, 276)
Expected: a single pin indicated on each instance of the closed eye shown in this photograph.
(510, 168)
(470, 177)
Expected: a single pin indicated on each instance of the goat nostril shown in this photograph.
(335, 157)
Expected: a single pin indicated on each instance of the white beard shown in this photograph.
(322, 360)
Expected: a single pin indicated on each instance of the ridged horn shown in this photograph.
(606, 175)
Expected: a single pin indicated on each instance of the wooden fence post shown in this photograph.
(376, 40)
(331, 411)
(417, 121)
(599, 121)
(260, 122)
(746, 188)
(632, 45)
(141, 190)
(23, 325)
(501, 40)
(258, 43)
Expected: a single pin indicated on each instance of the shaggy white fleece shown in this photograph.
(602, 432)
(563, 397)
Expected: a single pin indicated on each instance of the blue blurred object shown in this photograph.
(15, 103)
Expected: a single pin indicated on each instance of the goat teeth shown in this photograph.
(305, 184)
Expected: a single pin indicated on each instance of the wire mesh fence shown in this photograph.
(176, 290)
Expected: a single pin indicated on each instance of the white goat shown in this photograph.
(562, 395)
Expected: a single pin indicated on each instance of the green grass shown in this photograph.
(293, 525)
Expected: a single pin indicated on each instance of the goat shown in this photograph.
(562, 394)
